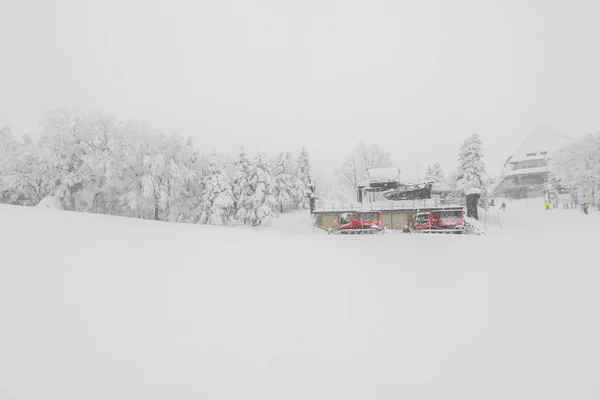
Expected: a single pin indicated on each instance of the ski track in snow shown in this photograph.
(98, 307)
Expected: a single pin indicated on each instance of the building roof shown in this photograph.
(381, 175)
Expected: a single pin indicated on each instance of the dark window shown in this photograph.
(530, 154)
(421, 218)
(543, 153)
(455, 214)
(344, 219)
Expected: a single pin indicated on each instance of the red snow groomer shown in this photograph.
(447, 220)
(359, 223)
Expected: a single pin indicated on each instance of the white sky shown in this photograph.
(416, 77)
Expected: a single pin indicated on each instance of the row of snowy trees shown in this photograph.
(95, 163)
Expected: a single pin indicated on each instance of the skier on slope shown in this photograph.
(585, 208)
(547, 204)
(503, 207)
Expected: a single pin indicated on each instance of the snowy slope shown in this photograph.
(95, 307)
(542, 138)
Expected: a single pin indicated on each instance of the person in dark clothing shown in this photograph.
(585, 208)
(503, 207)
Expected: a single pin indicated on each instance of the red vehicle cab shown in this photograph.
(452, 220)
(362, 220)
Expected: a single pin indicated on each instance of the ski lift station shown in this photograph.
(397, 200)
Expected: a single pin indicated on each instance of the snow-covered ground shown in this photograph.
(97, 307)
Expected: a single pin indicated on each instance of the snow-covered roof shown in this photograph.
(473, 191)
(380, 175)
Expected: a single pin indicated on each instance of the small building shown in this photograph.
(394, 214)
(524, 177)
(525, 174)
(400, 200)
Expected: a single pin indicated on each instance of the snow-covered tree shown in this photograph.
(284, 187)
(290, 165)
(577, 166)
(82, 146)
(160, 169)
(451, 180)
(7, 142)
(95, 163)
(262, 198)
(30, 177)
(434, 173)
(5, 162)
(429, 173)
(304, 182)
(217, 195)
(242, 190)
(471, 168)
(356, 166)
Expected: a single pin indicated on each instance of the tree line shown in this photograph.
(96, 163)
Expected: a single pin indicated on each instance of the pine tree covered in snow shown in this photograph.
(290, 165)
(242, 190)
(429, 173)
(217, 195)
(304, 181)
(262, 199)
(471, 168)
(434, 173)
(284, 187)
(7, 143)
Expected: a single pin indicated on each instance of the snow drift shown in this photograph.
(51, 202)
